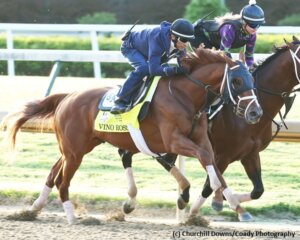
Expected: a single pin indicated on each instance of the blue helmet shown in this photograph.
(183, 28)
(253, 14)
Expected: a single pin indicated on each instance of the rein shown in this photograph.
(208, 90)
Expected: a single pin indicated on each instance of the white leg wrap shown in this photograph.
(132, 190)
(243, 197)
(69, 210)
(197, 205)
(40, 202)
(232, 200)
(214, 181)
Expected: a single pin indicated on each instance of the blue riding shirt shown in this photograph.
(153, 43)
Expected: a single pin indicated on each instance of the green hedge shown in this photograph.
(112, 70)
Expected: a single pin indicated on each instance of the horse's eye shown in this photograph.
(236, 83)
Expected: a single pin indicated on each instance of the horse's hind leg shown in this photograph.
(70, 165)
(40, 202)
(130, 203)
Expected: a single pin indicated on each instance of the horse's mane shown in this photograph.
(276, 52)
(201, 57)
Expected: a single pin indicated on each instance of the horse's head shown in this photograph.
(237, 88)
(277, 76)
(237, 85)
(294, 48)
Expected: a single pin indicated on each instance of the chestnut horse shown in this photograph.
(275, 80)
(173, 124)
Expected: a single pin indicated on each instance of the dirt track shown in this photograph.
(142, 224)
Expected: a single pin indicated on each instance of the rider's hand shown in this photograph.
(180, 70)
(170, 71)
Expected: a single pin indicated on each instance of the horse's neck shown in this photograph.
(275, 79)
(210, 75)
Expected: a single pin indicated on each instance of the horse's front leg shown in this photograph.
(217, 201)
(168, 162)
(126, 157)
(252, 167)
(199, 146)
(41, 201)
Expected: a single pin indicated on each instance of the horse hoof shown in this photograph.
(127, 208)
(36, 207)
(217, 206)
(181, 204)
(245, 217)
(72, 220)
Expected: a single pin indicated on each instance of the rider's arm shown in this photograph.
(250, 50)
(227, 33)
(155, 67)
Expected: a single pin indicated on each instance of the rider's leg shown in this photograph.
(139, 62)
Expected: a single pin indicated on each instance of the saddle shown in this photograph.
(138, 95)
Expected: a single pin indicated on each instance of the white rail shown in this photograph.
(12, 29)
(73, 55)
(61, 55)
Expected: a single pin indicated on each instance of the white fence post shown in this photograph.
(95, 47)
(10, 45)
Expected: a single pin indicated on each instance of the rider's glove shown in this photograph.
(180, 70)
(170, 71)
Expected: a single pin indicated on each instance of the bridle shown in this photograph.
(295, 58)
(225, 85)
(288, 100)
(237, 105)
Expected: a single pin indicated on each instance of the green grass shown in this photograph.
(101, 177)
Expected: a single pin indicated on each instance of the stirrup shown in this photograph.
(119, 108)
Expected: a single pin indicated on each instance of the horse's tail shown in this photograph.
(40, 109)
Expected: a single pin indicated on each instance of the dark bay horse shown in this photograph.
(173, 125)
(275, 80)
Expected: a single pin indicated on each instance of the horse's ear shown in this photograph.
(295, 39)
(290, 45)
(242, 57)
